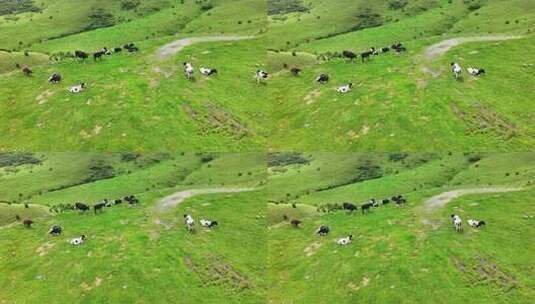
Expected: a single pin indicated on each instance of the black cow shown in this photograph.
(99, 206)
(349, 55)
(54, 78)
(323, 78)
(399, 200)
(81, 206)
(385, 201)
(295, 71)
(349, 206)
(27, 223)
(385, 49)
(131, 199)
(81, 54)
(55, 230)
(398, 47)
(295, 223)
(117, 49)
(323, 230)
(366, 207)
(98, 55)
(27, 71)
(367, 54)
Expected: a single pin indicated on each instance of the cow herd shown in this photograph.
(458, 223)
(457, 71)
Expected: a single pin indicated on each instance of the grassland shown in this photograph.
(402, 254)
(397, 103)
(134, 253)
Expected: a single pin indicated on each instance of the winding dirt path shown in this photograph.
(175, 199)
(176, 46)
(438, 49)
(440, 200)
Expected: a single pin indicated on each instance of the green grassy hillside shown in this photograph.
(133, 253)
(405, 254)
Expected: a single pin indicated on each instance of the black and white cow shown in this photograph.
(457, 223)
(367, 54)
(54, 78)
(78, 241)
(188, 70)
(456, 70)
(261, 75)
(344, 241)
(476, 223)
(366, 207)
(77, 88)
(323, 230)
(322, 78)
(207, 71)
(100, 206)
(208, 223)
(475, 71)
(189, 222)
(344, 88)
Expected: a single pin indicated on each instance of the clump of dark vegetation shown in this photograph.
(395, 157)
(17, 6)
(13, 159)
(99, 19)
(129, 4)
(280, 7)
(281, 159)
(472, 158)
(367, 18)
(397, 4)
(100, 170)
(129, 156)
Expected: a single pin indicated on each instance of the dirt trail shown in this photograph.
(440, 200)
(176, 46)
(176, 198)
(438, 49)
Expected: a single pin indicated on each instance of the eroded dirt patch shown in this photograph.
(212, 118)
(482, 271)
(481, 119)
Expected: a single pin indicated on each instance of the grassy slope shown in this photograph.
(129, 256)
(419, 104)
(8, 61)
(394, 251)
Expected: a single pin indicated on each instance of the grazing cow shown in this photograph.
(295, 71)
(208, 224)
(98, 55)
(374, 203)
(345, 88)
(207, 71)
(117, 201)
(457, 223)
(81, 54)
(54, 78)
(322, 78)
(385, 201)
(349, 206)
(130, 47)
(295, 223)
(349, 55)
(55, 230)
(188, 70)
(81, 206)
(131, 199)
(27, 223)
(476, 223)
(475, 71)
(77, 88)
(117, 49)
(189, 222)
(399, 200)
(323, 230)
(456, 70)
(27, 71)
(78, 241)
(261, 76)
(385, 49)
(99, 206)
(366, 207)
(398, 47)
(367, 54)
(344, 241)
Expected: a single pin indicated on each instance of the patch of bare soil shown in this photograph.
(217, 272)
(43, 97)
(312, 249)
(480, 119)
(212, 118)
(482, 271)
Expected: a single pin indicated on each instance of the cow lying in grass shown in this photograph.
(55, 230)
(322, 79)
(54, 78)
(475, 71)
(476, 223)
(77, 88)
(457, 223)
(323, 230)
(207, 71)
(345, 88)
(208, 223)
(345, 241)
(78, 241)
